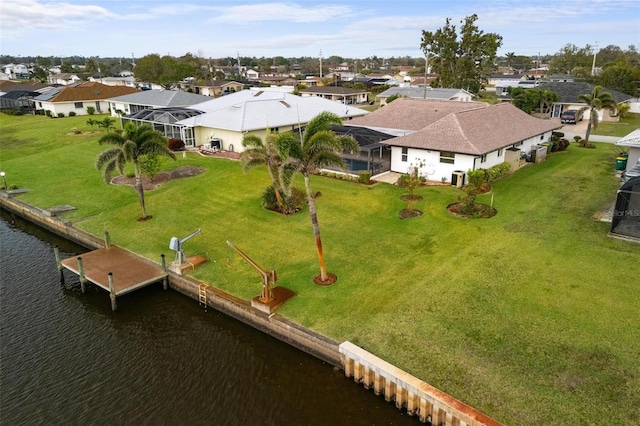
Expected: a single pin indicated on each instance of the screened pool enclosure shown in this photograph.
(626, 216)
(164, 120)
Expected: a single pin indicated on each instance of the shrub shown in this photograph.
(150, 165)
(577, 138)
(60, 114)
(476, 179)
(47, 113)
(176, 144)
(498, 171)
(91, 110)
(562, 144)
(364, 177)
(12, 112)
(72, 114)
(290, 203)
(557, 135)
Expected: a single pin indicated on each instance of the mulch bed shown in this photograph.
(160, 178)
(483, 211)
(409, 213)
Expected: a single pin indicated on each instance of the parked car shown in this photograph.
(571, 116)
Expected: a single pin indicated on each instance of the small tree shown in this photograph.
(596, 100)
(91, 110)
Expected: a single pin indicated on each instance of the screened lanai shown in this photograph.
(373, 157)
(626, 216)
(164, 119)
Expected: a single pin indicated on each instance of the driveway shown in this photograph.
(580, 129)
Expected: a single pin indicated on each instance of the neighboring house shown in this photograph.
(213, 88)
(16, 71)
(568, 93)
(502, 87)
(337, 94)
(78, 97)
(631, 141)
(19, 96)
(253, 74)
(63, 79)
(151, 99)
(128, 81)
(419, 92)
(443, 137)
(226, 120)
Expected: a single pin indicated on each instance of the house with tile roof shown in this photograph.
(132, 103)
(447, 136)
(78, 97)
(63, 78)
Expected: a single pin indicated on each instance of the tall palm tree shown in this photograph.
(318, 148)
(131, 143)
(596, 100)
(258, 153)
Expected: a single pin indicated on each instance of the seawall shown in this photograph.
(431, 405)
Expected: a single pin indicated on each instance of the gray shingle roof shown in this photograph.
(569, 91)
(162, 98)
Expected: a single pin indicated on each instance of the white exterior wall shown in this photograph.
(67, 107)
(229, 137)
(122, 106)
(435, 170)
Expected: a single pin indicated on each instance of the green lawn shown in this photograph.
(625, 126)
(531, 316)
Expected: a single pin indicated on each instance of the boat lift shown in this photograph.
(176, 245)
(270, 298)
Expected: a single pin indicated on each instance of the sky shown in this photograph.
(349, 29)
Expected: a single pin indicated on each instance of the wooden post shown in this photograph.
(81, 274)
(165, 280)
(107, 240)
(112, 293)
(56, 253)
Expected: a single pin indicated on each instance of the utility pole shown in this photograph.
(593, 66)
(320, 63)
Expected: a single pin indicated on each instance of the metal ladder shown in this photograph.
(202, 295)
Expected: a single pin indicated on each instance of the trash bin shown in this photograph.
(457, 178)
(546, 145)
(621, 163)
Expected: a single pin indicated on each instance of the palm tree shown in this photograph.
(258, 153)
(318, 148)
(131, 144)
(596, 100)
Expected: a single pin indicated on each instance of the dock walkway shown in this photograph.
(114, 269)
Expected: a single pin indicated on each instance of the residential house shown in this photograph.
(63, 79)
(226, 120)
(132, 103)
(19, 96)
(568, 93)
(340, 94)
(16, 71)
(212, 88)
(632, 142)
(78, 97)
(447, 137)
(128, 81)
(422, 92)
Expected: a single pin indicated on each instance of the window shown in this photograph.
(405, 154)
(515, 145)
(483, 158)
(447, 157)
(78, 105)
(500, 152)
(541, 137)
(274, 129)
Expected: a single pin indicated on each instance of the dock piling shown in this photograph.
(107, 239)
(165, 280)
(112, 293)
(81, 274)
(56, 253)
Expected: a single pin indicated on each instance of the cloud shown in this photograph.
(283, 12)
(29, 15)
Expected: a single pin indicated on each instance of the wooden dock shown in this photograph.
(114, 269)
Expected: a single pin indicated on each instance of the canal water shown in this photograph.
(66, 359)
